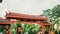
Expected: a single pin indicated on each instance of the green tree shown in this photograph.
(32, 28)
(47, 12)
(56, 11)
(53, 14)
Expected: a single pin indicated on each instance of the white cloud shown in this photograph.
(34, 7)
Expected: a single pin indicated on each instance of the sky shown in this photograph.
(32, 7)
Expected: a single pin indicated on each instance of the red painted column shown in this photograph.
(19, 30)
(48, 29)
(7, 32)
(43, 29)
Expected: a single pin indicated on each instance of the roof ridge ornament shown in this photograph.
(7, 12)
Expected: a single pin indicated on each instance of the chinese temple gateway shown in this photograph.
(28, 19)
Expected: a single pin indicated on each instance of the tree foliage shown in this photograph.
(54, 12)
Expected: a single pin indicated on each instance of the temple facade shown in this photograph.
(27, 19)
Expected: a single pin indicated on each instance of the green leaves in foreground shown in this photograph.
(32, 27)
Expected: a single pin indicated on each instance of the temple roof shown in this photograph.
(24, 16)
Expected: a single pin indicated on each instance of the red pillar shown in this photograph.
(7, 32)
(19, 30)
(43, 29)
(48, 29)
